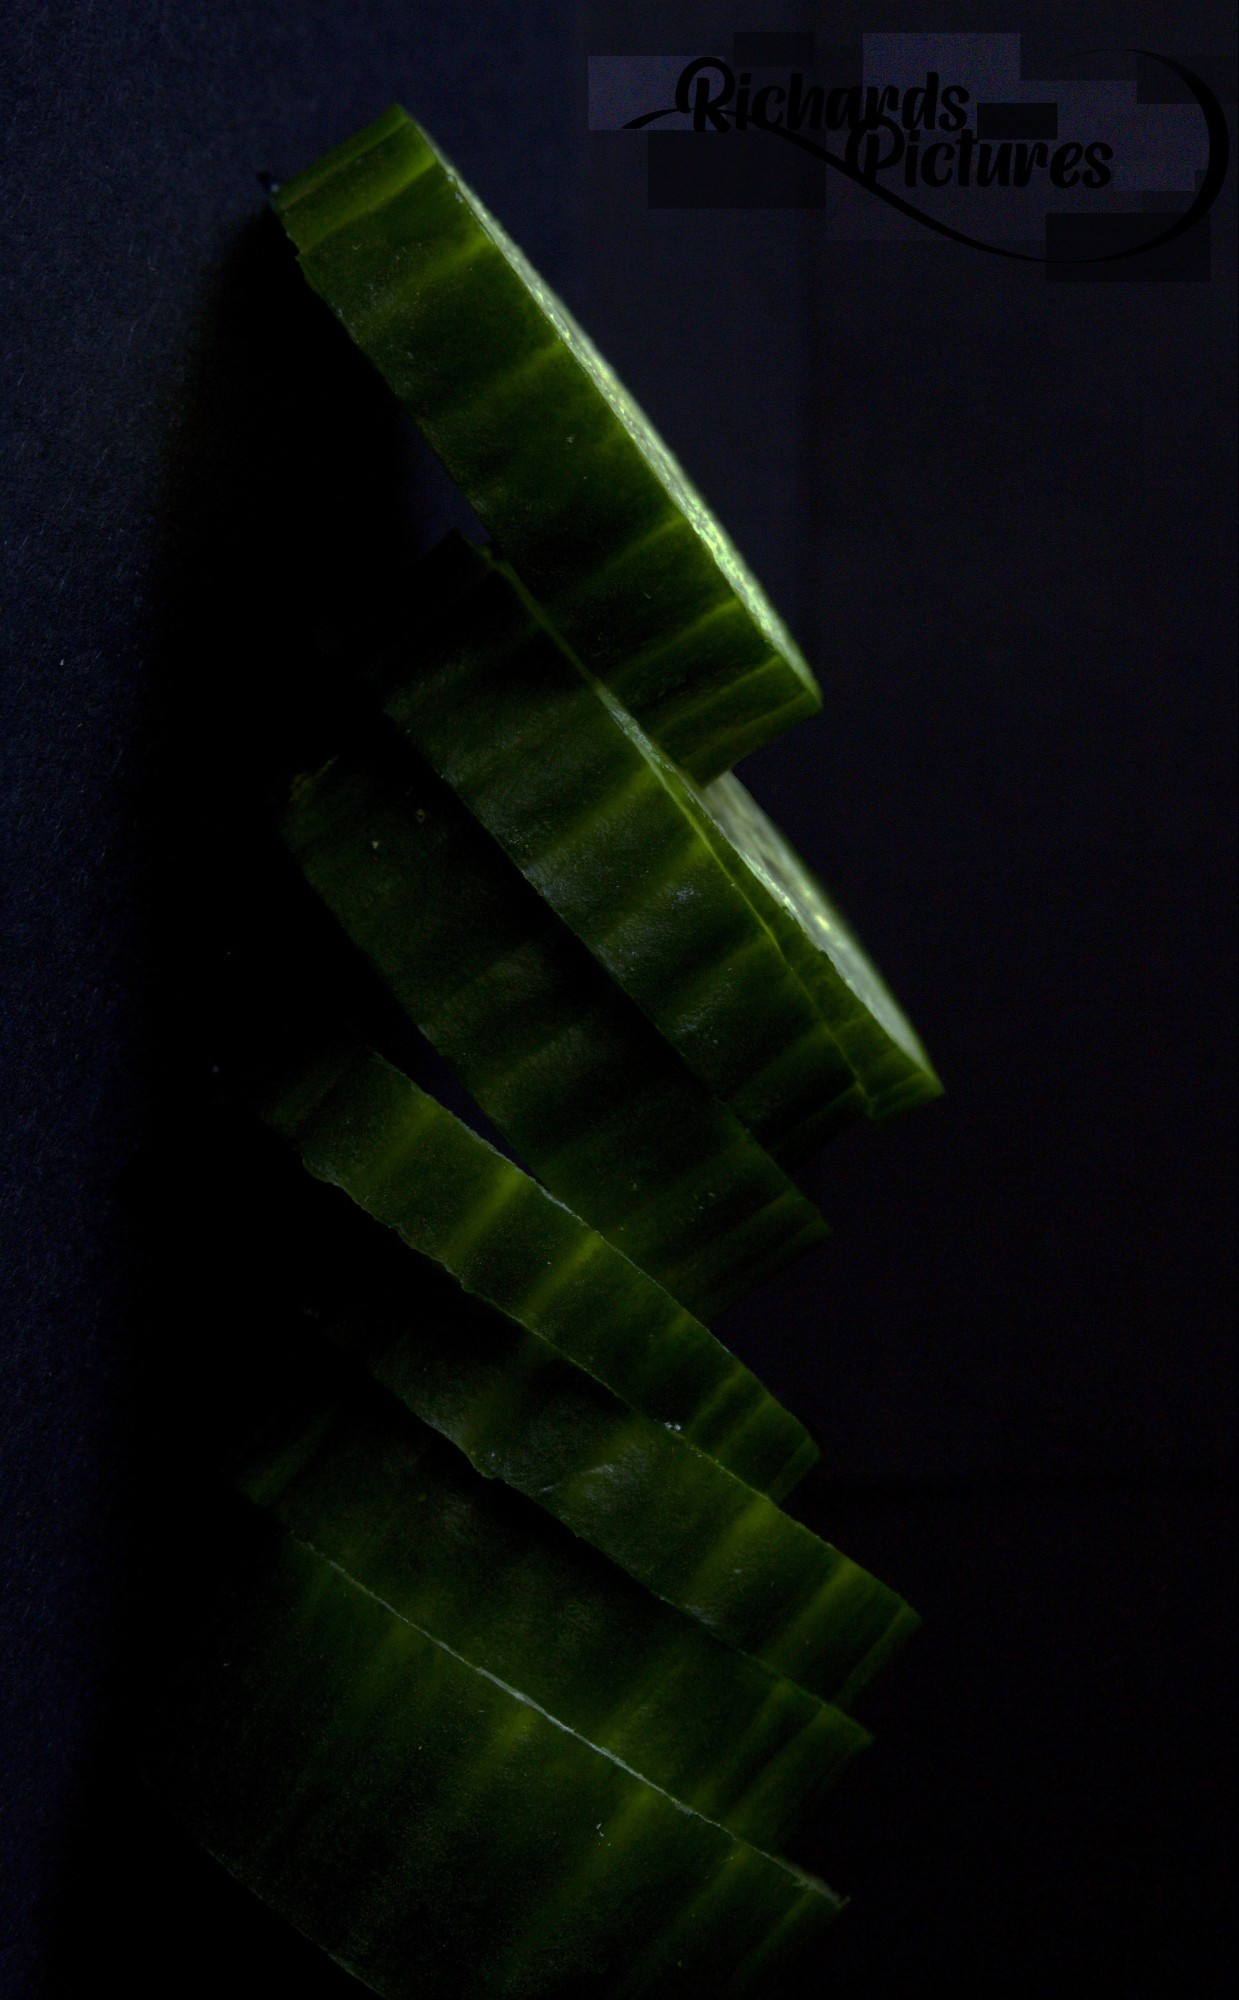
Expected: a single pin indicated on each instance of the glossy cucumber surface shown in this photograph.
(548, 447)
(412, 1164)
(431, 1828)
(615, 839)
(878, 1040)
(350, 1471)
(580, 1083)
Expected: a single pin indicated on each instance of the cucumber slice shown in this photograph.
(434, 1830)
(562, 1062)
(361, 1124)
(551, 452)
(877, 1038)
(492, 1576)
(615, 840)
(671, 1516)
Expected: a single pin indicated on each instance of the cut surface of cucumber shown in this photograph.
(350, 1471)
(432, 1829)
(359, 1123)
(875, 1035)
(565, 1065)
(615, 839)
(549, 449)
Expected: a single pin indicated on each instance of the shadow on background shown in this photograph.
(296, 494)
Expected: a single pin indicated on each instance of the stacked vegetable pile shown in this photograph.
(524, 1683)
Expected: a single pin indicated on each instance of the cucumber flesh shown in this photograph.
(553, 455)
(878, 1040)
(611, 835)
(359, 1123)
(565, 1065)
(433, 1829)
(482, 1570)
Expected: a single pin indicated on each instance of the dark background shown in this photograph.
(998, 513)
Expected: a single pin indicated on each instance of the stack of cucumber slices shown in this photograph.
(523, 1683)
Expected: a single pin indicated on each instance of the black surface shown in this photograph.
(999, 514)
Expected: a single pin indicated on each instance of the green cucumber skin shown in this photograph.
(637, 1491)
(874, 1034)
(491, 1575)
(561, 466)
(562, 1062)
(428, 1827)
(359, 1123)
(613, 838)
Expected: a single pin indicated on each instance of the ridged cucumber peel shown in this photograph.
(359, 1123)
(432, 1829)
(347, 1469)
(665, 1512)
(565, 1065)
(552, 453)
(879, 1042)
(613, 837)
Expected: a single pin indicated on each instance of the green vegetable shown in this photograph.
(876, 1037)
(519, 1673)
(433, 1829)
(664, 1511)
(508, 1589)
(359, 1123)
(564, 1064)
(615, 839)
(556, 459)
